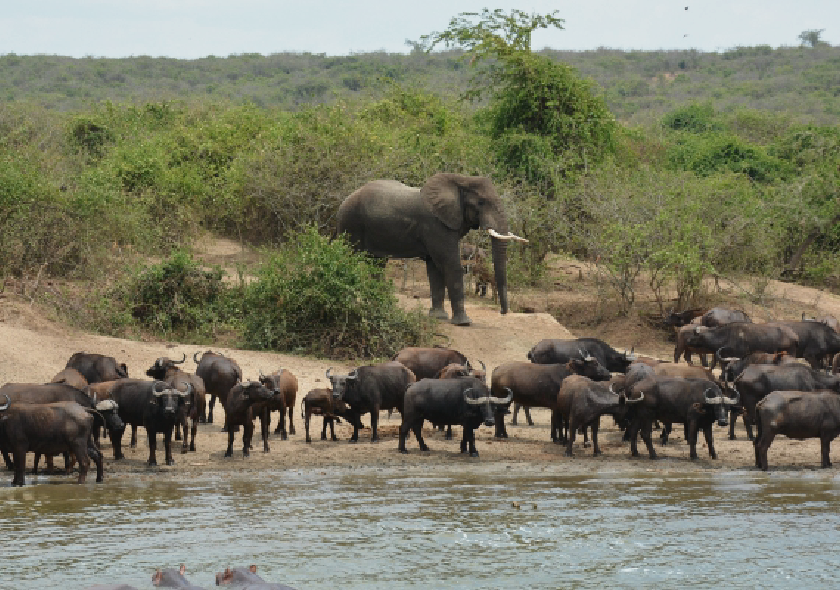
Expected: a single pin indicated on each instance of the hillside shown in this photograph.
(637, 85)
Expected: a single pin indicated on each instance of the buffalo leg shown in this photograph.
(20, 464)
(116, 443)
(229, 451)
(417, 428)
(666, 432)
(35, 462)
(265, 424)
(586, 443)
(501, 431)
(291, 422)
(96, 454)
(570, 439)
(81, 452)
(193, 431)
(825, 446)
(733, 416)
(210, 408)
(152, 435)
(374, 422)
(761, 448)
(448, 435)
(331, 422)
(468, 442)
(707, 433)
(247, 433)
(646, 437)
(306, 419)
(596, 450)
(133, 436)
(167, 444)
(526, 409)
(9, 465)
(281, 426)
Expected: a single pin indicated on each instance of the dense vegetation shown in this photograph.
(725, 164)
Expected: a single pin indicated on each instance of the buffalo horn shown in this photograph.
(195, 357)
(353, 374)
(476, 401)
(716, 399)
(637, 400)
(181, 362)
(725, 359)
(508, 236)
(105, 405)
(187, 392)
(261, 375)
(732, 402)
(8, 403)
(502, 400)
(483, 366)
(329, 372)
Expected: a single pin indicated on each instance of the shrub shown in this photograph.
(317, 296)
(174, 298)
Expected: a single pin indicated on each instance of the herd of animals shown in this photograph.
(579, 380)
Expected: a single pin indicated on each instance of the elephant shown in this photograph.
(388, 219)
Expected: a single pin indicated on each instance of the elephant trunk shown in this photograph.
(500, 270)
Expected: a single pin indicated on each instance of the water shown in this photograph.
(418, 528)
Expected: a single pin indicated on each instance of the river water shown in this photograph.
(455, 527)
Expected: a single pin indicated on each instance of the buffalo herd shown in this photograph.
(577, 380)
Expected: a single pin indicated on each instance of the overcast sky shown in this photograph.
(198, 28)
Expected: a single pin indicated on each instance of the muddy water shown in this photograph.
(460, 527)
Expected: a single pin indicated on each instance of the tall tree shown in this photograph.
(545, 119)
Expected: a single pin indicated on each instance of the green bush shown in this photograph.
(176, 297)
(697, 118)
(317, 296)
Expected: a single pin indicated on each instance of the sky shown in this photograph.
(190, 29)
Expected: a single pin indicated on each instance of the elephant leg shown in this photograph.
(454, 280)
(438, 289)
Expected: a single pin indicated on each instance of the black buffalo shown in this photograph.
(742, 338)
(220, 374)
(156, 406)
(426, 363)
(799, 415)
(167, 370)
(370, 389)
(818, 342)
(48, 429)
(537, 385)
(756, 381)
(581, 402)
(553, 351)
(462, 400)
(696, 403)
(242, 400)
(96, 367)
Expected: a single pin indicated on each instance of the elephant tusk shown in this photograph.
(494, 234)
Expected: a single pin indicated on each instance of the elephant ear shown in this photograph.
(441, 192)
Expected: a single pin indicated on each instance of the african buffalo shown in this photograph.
(743, 338)
(239, 411)
(818, 342)
(370, 389)
(167, 370)
(284, 385)
(321, 402)
(71, 377)
(757, 381)
(799, 415)
(462, 400)
(696, 403)
(48, 429)
(553, 351)
(96, 367)
(581, 402)
(220, 374)
(156, 406)
(537, 385)
(428, 362)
